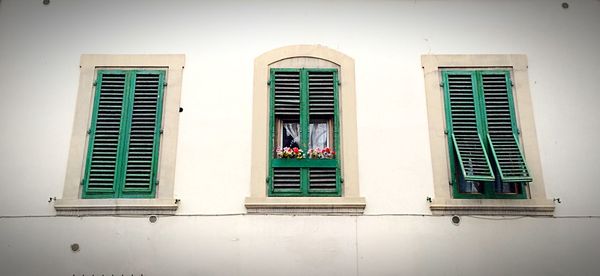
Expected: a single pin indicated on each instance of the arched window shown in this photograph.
(304, 132)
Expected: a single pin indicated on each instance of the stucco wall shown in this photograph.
(40, 48)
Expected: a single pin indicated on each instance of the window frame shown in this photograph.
(72, 202)
(443, 203)
(304, 164)
(304, 56)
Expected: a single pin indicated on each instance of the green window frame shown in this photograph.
(124, 135)
(302, 95)
(483, 138)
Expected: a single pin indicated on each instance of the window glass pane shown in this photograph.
(465, 186)
(505, 187)
(290, 136)
(319, 135)
(471, 187)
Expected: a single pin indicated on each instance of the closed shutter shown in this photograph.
(286, 179)
(321, 104)
(321, 93)
(287, 93)
(502, 133)
(323, 179)
(463, 127)
(124, 134)
(144, 133)
(102, 160)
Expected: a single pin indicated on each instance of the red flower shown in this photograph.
(295, 150)
(327, 150)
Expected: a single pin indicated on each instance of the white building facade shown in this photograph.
(403, 196)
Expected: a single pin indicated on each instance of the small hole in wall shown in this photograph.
(456, 220)
(153, 219)
(565, 5)
(75, 247)
(46, 2)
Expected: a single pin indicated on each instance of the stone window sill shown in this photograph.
(306, 205)
(498, 207)
(102, 207)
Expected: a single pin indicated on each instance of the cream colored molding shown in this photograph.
(443, 203)
(306, 205)
(96, 207)
(300, 56)
(168, 146)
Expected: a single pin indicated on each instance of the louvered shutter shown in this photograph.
(321, 95)
(144, 133)
(502, 134)
(299, 96)
(287, 93)
(102, 160)
(286, 178)
(463, 127)
(321, 104)
(323, 179)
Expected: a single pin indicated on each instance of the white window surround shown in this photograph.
(298, 56)
(443, 204)
(164, 203)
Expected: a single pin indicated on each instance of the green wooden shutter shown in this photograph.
(106, 127)
(501, 127)
(463, 127)
(323, 179)
(144, 134)
(285, 105)
(286, 179)
(286, 86)
(124, 134)
(299, 95)
(321, 93)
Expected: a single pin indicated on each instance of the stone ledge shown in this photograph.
(308, 205)
(493, 207)
(103, 207)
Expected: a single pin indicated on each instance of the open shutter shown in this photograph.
(102, 160)
(321, 93)
(143, 143)
(466, 138)
(502, 131)
(287, 93)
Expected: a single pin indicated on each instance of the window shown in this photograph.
(124, 141)
(304, 97)
(483, 144)
(486, 160)
(304, 118)
(124, 134)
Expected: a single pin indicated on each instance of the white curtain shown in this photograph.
(318, 133)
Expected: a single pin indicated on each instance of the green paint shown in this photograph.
(513, 122)
(118, 189)
(484, 137)
(305, 165)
